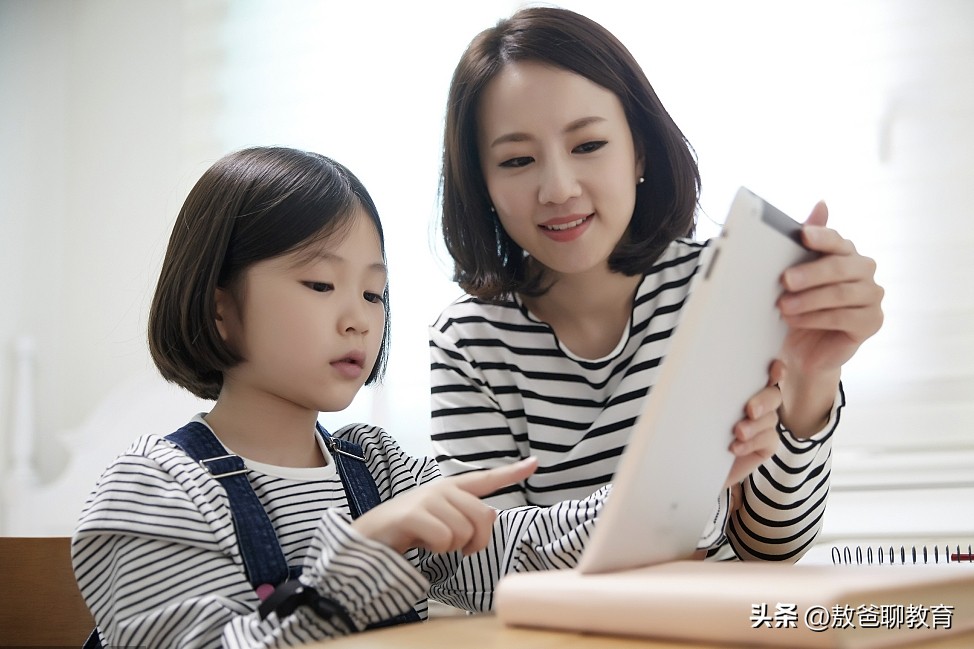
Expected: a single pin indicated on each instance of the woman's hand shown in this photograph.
(832, 304)
(756, 436)
(443, 515)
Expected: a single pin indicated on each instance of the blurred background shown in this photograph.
(111, 109)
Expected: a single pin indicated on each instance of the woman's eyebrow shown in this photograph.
(582, 123)
(524, 137)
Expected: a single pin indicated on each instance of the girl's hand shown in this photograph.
(443, 515)
(755, 436)
(831, 305)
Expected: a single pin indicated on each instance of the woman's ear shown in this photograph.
(640, 167)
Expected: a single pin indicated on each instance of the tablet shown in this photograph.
(677, 459)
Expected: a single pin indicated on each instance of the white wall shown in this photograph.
(93, 168)
(110, 109)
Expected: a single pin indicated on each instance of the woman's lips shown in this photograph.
(566, 228)
(558, 224)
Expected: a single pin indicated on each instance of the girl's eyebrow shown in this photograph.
(324, 255)
(572, 126)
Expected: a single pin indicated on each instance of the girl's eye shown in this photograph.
(374, 298)
(515, 163)
(320, 287)
(590, 147)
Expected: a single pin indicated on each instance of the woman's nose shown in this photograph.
(558, 182)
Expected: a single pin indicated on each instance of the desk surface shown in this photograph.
(486, 632)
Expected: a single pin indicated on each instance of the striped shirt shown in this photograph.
(505, 388)
(157, 559)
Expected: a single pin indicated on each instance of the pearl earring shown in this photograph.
(492, 209)
(640, 181)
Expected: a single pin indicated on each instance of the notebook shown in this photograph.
(904, 554)
(677, 458)
(750, 604)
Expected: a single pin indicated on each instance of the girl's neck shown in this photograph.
(588, 311)
(265, 428)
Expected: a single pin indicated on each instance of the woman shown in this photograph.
(568, 194)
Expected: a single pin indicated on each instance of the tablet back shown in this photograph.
(677, 458)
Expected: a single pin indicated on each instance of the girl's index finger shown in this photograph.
(484, 483)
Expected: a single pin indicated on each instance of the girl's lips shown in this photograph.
(350, 366)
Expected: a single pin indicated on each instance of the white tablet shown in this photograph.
(677, 459)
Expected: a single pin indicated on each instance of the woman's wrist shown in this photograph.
(807, 401)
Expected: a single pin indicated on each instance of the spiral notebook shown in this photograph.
(893, 554)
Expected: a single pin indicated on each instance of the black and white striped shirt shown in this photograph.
(505, 388)
(158, 563)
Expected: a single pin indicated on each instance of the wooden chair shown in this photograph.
(39, 599)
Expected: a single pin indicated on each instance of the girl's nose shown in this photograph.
(353, 318)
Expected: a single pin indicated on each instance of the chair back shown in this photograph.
(39, 599)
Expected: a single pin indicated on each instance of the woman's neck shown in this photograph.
(265, 428)
(588, 311)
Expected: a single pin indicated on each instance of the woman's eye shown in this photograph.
(589, 147)
(374, 298)
(515, 163)
(320, 287)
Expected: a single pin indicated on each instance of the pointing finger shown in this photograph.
(484, 483)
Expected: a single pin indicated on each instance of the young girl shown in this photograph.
(568, 196)
(248, 527)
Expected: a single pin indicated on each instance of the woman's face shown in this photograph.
(560, 164)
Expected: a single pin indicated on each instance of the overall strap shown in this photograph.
(360, 488)
(259, 546)
(362, 495)
(260, 549)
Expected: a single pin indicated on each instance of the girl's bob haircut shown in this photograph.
(487, 262)
(251, 205)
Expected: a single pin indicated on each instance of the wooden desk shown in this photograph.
(486, 632)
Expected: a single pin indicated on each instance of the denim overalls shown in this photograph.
(267, 571)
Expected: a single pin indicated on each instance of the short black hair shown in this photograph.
(487, 262)
(252, 204)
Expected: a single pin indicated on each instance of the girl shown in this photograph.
(238, 529)
(568, 193)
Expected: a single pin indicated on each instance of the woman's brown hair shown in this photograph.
(251, 205)
(487, 262)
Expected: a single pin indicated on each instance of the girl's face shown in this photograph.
(560, 164)
(308, 324)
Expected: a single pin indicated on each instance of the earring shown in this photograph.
(492, 209)
(640, 181)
